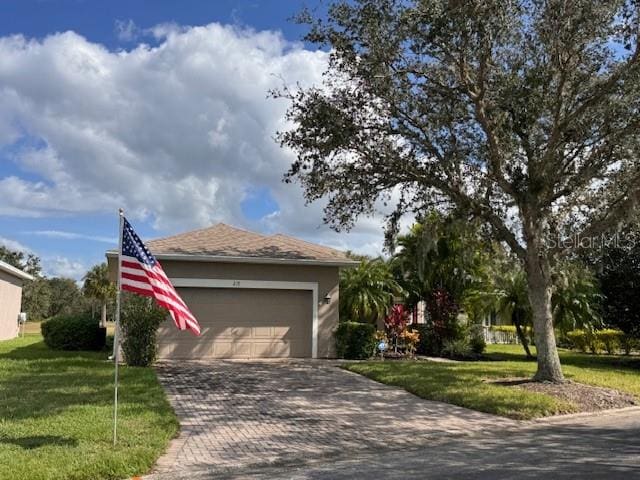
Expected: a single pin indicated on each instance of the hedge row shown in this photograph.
(508, 329)
(596, 341)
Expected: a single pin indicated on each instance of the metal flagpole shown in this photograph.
(116, 336)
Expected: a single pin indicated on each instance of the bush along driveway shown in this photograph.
(56, 413)
(496, 385)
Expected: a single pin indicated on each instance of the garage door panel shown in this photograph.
(270, 350)
(187, 350)
(260, 332)
(242, 323)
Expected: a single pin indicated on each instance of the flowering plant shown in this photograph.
(410, 339)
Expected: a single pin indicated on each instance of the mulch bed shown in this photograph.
(586, 397)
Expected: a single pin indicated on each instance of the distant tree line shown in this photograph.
(47, 297)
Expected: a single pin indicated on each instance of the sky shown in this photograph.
(158, 107)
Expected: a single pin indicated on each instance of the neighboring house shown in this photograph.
(11, 281)
(255, 296)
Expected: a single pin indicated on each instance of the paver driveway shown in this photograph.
(243, 413)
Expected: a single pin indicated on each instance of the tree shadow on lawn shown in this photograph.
(29, 443)
(576, 359)
(39, 351)
(465, 385)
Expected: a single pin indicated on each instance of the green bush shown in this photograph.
(628, 343)
(511, 329)
(578, 340)
(355, 341)
(139, 322)
(73, 332)
(503, 328)
(476, 339)
(610, 339)
(459, 348)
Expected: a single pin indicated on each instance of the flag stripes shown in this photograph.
(142, 274)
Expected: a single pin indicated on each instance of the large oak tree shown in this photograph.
(524, 114)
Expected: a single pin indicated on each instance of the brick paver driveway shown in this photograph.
(243, 413)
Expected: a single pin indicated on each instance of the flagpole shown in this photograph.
(116, 336)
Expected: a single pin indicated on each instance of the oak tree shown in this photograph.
(523, 114)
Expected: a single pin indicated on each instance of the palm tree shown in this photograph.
(575, 298)
(98, 286)
(367, 291)
(506, 296)
(438, 253)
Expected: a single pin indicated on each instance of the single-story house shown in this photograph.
(254, 295)
(11, 281)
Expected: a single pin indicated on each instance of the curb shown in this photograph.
(612, 412)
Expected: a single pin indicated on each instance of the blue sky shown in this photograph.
(97, 20)
(156, 106)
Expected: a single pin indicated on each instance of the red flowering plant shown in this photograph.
(396, 322)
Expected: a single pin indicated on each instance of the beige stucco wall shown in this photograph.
(326, 277)
(10, 302)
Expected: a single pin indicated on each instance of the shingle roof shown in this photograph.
(225, 241)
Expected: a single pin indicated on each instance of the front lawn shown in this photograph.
(56, 413)
(463, 383)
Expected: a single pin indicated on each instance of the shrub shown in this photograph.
(410, 339)
(355, 341)
(476, 339)
(595, 341)
(578, 340)
(610, 339)
(628, 343)
(425, 344)
(139, 322)
(503, 328)
(73, 332)
(459, 348)
(396, 321)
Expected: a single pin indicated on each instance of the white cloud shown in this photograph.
(178, 133)
(14, 245)
(73, 236)
(126, 30)
(59, 266)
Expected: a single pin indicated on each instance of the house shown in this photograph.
(254, 295)
(11, 281)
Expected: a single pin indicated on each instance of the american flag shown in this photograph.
(141, 273)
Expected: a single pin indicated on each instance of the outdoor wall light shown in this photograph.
(327, 299)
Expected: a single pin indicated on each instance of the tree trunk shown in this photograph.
(103, 316)
(539, 279)
(521, 336)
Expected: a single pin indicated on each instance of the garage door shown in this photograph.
(242, 323)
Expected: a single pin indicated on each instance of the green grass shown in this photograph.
(464, 383)
(56, 411)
